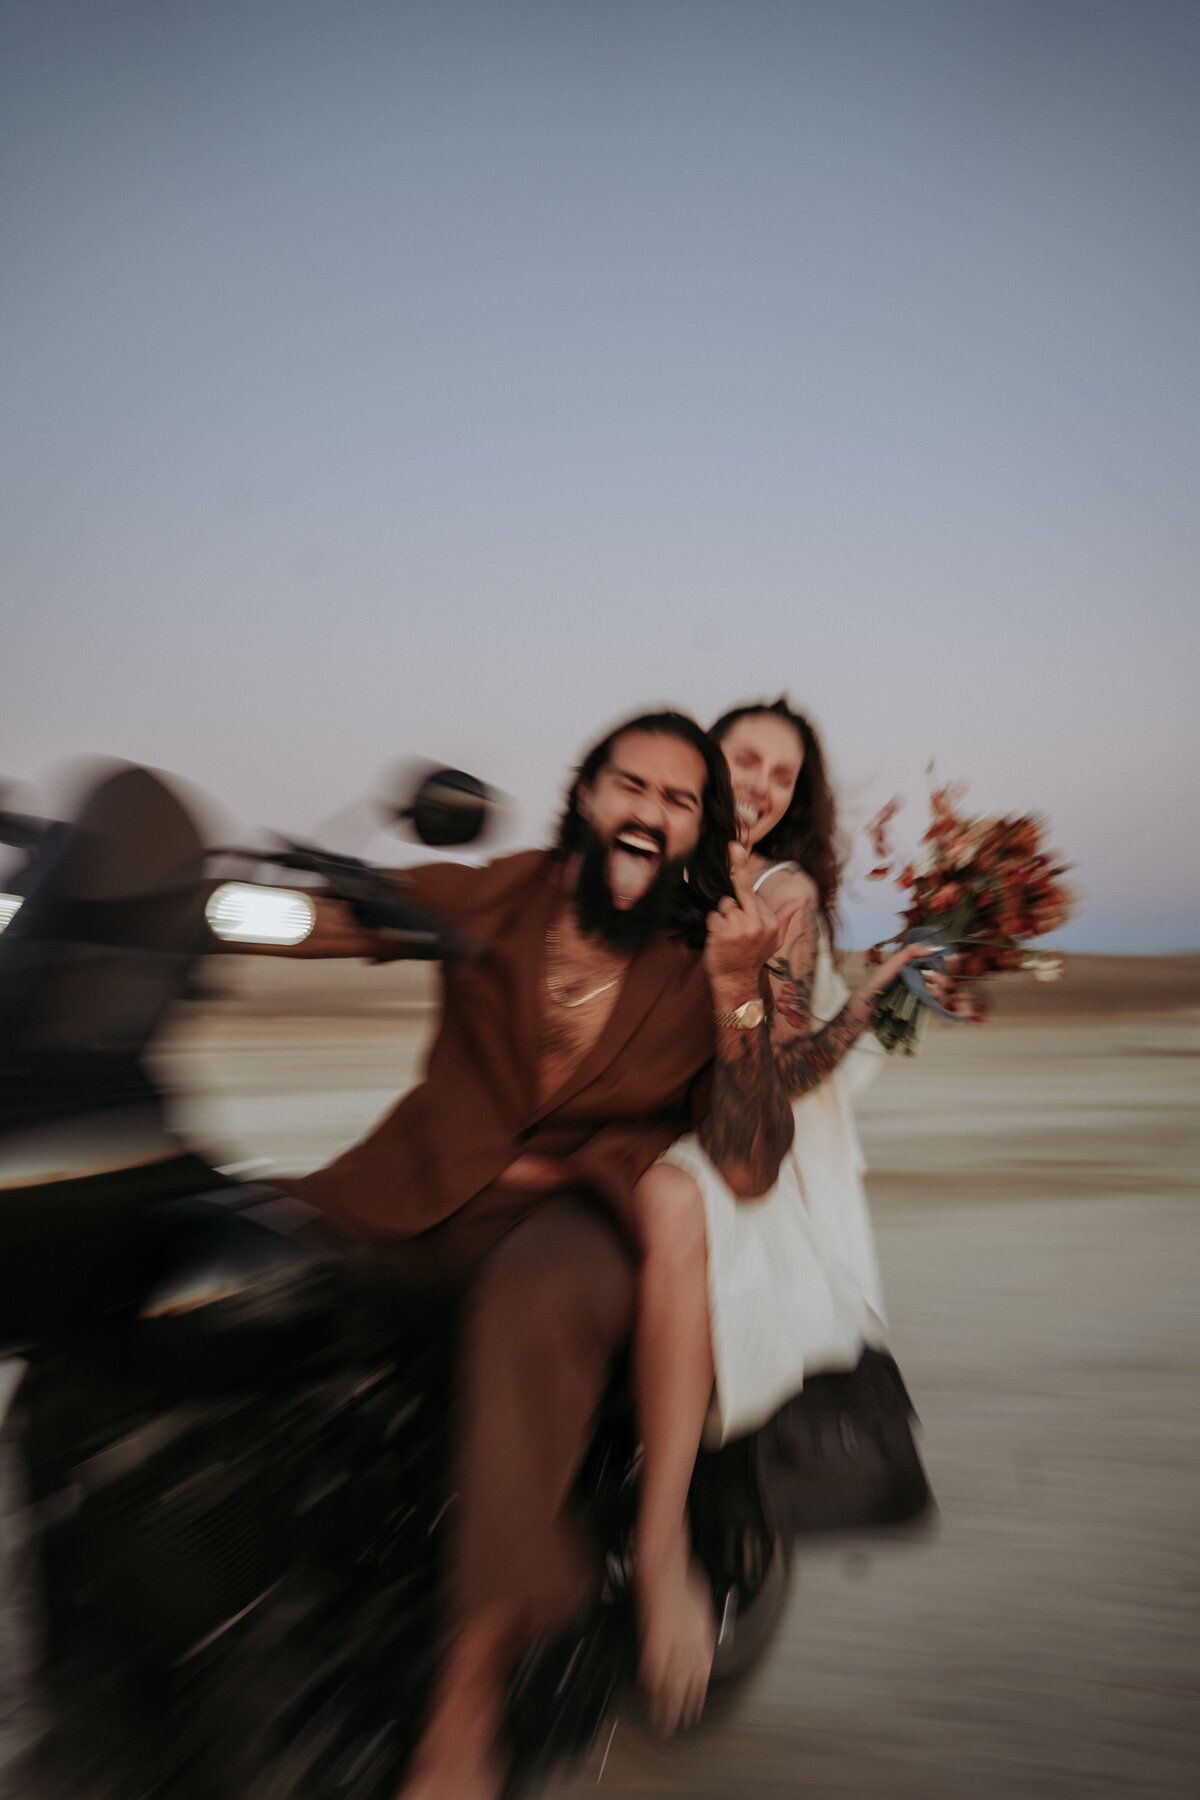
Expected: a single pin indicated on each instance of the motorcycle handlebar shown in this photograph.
(374, 898)
(73, 890)
(211, 916)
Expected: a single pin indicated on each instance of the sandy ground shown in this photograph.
(1034, 1184)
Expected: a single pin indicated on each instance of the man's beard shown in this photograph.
(631, 928)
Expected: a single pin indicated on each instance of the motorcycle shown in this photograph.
(223, 1469)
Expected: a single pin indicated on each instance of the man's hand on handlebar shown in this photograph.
(335, 932)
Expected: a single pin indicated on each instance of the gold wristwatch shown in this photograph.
(744, 1017)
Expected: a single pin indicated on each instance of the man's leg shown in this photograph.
(673, 1377)
(540, 1325)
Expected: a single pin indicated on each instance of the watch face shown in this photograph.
(743, 1017)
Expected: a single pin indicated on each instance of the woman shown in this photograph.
(740, 1298)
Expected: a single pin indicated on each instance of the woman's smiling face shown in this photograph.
(764, 753)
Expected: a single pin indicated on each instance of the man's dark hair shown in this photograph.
(807, 833)
(708, 866)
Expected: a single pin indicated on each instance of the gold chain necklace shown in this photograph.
(555, 987)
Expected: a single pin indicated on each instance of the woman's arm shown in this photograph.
(805, 1057)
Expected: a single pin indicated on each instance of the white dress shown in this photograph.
(793, 1280)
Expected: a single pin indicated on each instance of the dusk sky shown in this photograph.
(454, 379)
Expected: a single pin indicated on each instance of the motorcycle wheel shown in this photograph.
(746, 1623)
(21, 1701)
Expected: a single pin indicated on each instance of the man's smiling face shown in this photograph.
(645, 809)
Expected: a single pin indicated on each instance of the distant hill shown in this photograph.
(1093, 987)
(281, 987)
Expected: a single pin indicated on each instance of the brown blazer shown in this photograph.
(477, 1108)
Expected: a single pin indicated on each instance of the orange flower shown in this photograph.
(948, 895)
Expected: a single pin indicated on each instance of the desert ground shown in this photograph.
(1034, 1186)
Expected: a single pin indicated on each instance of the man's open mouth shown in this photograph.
(634, 860)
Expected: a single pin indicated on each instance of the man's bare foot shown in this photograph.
(459, 1756)
(678, 1636)
(454, 1772)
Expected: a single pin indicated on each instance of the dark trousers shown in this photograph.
(546, 1289)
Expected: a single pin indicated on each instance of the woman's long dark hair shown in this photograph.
(807, 833)
(708, 866)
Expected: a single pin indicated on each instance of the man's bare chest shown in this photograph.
(579, 989)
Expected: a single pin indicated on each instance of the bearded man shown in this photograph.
(573, 1048)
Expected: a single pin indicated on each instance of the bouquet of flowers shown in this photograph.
(982, 887)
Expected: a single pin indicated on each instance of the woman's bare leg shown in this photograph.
(673, 1379)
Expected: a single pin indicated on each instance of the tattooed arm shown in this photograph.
(805, 1057)
(748, 1126)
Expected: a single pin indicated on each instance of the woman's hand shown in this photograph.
(940, 980)
(886, 972)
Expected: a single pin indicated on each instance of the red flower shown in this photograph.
(944, 800)
(877, 832)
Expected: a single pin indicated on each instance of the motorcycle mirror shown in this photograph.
(450, 808)
(21, 831)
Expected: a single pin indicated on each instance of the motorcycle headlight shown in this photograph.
(238, 912)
